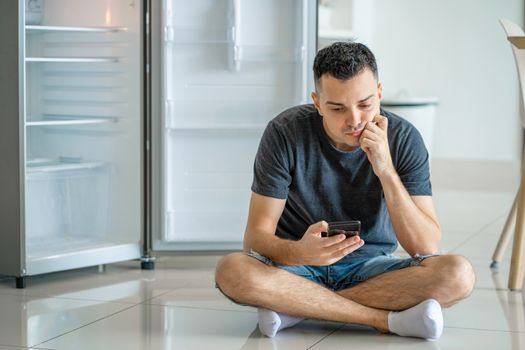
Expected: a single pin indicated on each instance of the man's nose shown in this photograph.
(354, 120)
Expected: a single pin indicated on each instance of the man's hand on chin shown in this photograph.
(374, 142)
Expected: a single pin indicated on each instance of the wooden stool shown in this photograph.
(517, 213)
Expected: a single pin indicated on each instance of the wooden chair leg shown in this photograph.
(506, 233)
(517, 264)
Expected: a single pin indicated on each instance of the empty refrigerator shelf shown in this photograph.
(52, 165)
(64, 120)
(216, 128)
(72, 59)
(39, 28)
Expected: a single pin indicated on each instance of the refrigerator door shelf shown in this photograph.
(193, 35)
(268, 53)
(225, 114)
(203, 225)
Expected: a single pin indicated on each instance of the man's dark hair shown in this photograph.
(343, 61)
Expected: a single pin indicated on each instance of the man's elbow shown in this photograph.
(429, 248)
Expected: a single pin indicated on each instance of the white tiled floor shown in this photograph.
(177, 307)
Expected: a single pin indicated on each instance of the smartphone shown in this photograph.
(349, 228)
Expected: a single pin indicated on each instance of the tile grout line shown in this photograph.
(326, 336)
(478, 232)
(131, 305)
(143, 303)
(202, 308)
(85, 325)
(24, 347)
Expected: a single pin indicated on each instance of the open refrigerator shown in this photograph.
(131, 126)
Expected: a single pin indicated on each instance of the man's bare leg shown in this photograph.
(248, 281)
(447, 278)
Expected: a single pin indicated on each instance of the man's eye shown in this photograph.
(337, 109)
(366, 106)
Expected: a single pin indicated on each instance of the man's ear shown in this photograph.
(315, 98)
(380, 90)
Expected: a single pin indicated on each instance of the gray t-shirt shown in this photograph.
(296, 161)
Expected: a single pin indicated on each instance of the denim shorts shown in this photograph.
(347, 273)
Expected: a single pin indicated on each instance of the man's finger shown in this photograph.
(381, 121)
(318, 227)
(321, 225)
(333, 240)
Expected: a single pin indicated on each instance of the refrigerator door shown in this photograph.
(83, 134)
(228, 67)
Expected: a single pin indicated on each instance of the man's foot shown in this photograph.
(424, 320)
(270, 322)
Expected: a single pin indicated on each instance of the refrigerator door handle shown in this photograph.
(235, 49)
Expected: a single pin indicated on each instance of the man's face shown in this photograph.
(346, 106)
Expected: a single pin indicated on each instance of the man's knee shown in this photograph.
(227, 268)
(234, 274)
(455, 278)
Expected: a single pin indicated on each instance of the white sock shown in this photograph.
(270, 322)
(424, 320)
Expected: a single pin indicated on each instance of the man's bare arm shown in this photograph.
(413, 217)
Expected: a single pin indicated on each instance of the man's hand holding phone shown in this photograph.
(321, 246)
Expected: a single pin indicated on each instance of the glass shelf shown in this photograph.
(72, 59)
(61, 164)
(218, 128)
(65, 120)
(40, 28)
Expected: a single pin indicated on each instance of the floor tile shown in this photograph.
(488, 310)
(483, 243)
(28, 321)
(21, 348)
(165, 327)
(122, 283)
(360, 337)
(355, 337)
(470, 210)
(471, 339)
(204, 298)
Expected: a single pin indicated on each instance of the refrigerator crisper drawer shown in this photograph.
(66, 202)
(69, 206)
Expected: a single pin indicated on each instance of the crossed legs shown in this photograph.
(246, 280)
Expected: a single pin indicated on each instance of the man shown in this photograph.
(344, 158)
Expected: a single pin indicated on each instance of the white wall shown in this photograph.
(455, 50)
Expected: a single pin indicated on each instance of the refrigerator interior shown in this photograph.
(228, 67)
(83, 134)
